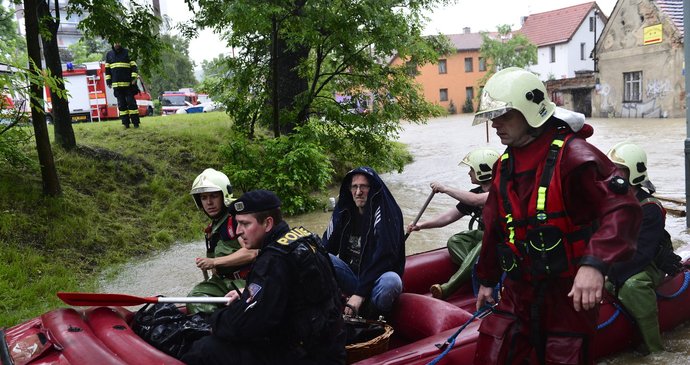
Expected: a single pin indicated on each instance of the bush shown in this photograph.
(451, 107)
(292, 166)
(468, 107)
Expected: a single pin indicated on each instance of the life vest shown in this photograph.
(221, 240)
(315, 311)
(542, 242)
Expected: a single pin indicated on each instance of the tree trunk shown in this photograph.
(51, 183)
(64, 133)
(285, 82)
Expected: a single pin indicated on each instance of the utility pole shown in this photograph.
(686, 46)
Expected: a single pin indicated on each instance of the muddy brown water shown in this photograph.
(438, 147)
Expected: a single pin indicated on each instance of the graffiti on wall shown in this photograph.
(607, 97)
(650, 107)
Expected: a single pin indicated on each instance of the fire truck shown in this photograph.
(90, 99)
(172, 101)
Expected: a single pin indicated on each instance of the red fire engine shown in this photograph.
(90, 99)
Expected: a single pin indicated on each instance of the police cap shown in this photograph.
(255, 201)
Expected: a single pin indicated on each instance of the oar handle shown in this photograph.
(419, 215)
(216, 300)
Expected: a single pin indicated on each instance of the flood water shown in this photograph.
(438, 147)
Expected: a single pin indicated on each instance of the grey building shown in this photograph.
(641, 61)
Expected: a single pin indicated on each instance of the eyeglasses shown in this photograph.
(363, 187)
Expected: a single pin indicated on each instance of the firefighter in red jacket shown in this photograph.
(556, 218)
(121, 74)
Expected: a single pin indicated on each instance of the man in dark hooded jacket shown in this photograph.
(366, 242)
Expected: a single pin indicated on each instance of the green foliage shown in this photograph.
(134, 26)
(177, 69)
(88, 50)
(339, 48)
(468, 107)
(506, 49)
(11, 43)
(452, 109)
(13, 143)
(292, 166)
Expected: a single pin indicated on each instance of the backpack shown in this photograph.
(166, 328)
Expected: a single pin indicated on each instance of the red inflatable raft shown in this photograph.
(102, 336)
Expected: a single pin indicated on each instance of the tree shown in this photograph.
(49, 177)
(506, 49)
(177, 69)
(62, 121)
(295, 61)
(87, 50)
(135, 26)
(295, 56)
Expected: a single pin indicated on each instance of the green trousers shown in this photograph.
(213, 287)
(464, 249)
(638, 296)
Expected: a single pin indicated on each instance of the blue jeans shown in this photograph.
(386, 290)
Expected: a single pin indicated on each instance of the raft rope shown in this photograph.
(619, 309)
(686, 283)
(612, 318)
(450, 342)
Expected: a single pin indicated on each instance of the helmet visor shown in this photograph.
(204, 189)
(490, 108)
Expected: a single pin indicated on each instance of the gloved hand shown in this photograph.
(109, 83)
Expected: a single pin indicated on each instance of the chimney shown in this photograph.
(523, 19)
(466, 30)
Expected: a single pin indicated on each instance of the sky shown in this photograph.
(483, 15)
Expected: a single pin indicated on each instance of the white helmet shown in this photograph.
(209, 181)
(633, 158)
(515, 88)
(482, 161)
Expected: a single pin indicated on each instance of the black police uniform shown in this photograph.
(289, 312)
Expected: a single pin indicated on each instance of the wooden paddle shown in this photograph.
(428, 200)
(96, 299)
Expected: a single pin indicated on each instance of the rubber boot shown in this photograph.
(638, 295)
(464, 248)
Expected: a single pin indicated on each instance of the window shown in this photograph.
(443, 94)
(632, 86)
(411, 68)
(552, 50)
(442, 67)
(482, 64)
(582, 51)
(468, 64)
(591, 24)
(469, 93)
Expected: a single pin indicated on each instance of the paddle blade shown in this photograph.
(97, 299)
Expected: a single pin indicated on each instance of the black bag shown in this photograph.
(166, 328)
(360, 330)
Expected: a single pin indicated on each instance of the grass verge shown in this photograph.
(125, 194)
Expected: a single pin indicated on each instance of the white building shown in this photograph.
(565, 39)
(68, 33)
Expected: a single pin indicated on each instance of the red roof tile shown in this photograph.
(556, 26)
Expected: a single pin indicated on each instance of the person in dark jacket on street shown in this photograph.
(290, 311)
(366, 242)
(121, 74)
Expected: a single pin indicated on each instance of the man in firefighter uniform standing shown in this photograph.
(556, 218)
(121, 74)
